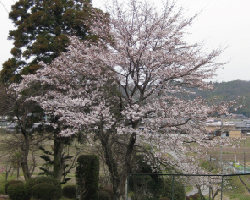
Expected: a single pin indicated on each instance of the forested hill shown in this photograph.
(227, 91)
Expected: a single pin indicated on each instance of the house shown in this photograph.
(219, 127)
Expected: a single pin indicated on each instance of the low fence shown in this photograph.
(187, 186)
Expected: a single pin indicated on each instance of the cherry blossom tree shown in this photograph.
(129, 89)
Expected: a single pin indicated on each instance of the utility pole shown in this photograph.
(234, 157)
(221, 145)
(244, 161)
(244, 158)
(221, 158)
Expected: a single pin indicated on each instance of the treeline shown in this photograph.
(228, 91)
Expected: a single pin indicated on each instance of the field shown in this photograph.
(228, 155)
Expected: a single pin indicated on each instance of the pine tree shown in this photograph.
(42, 27)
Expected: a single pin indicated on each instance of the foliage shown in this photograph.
(209, 166)
(46, 191)
(11, 182)
(155, 186)
(17, 192)
(41, 33)
(103, 195)
(179, 189)
(69, 191)
(48, 162)
(164, 198)
(194, 197)
(42, 180)
(146, 186)
(2, 184)
(109, 191)
(154, 183)
(87, 176)
(140, 165)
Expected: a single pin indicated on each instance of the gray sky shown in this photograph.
(221, 23)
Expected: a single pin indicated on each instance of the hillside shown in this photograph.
(227, 91)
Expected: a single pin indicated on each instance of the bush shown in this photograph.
(69, 191)
(164, 198)
(154, 181)
(110, 191)
(42, 179)
(12, 182)
(17, 192)
(195, 196)
(179, 189)
(45, 191)
(103, 195)
(87, 176)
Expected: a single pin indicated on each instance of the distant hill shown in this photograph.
(227, 91)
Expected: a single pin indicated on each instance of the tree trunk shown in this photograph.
(25, 153)
(118, 179)
(110, 162)
(58, 162)
(127, 165)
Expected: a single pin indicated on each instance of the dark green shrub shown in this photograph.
(110, 191)
(45, 191)
(42, 179)
(11, 183)
(179, 189)
(17, 192)
(103, 195)
(87, 176)
(153, 181)
(164, 198)
(69, 191)
(195, 197)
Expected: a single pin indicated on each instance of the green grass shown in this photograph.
(237, 190)
(2, 183)
(245, 143)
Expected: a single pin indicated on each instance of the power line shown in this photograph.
(4, 7)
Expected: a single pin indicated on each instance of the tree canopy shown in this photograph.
(41, 33)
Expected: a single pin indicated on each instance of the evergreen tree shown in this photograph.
(42, 27)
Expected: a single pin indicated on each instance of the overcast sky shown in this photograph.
(221, 23)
